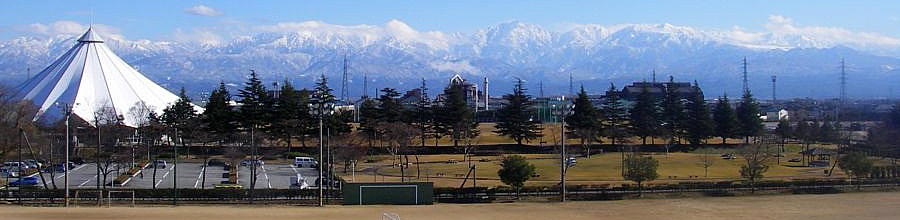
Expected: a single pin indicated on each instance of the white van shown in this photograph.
(305, 162)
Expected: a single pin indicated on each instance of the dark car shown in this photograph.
(27, 181)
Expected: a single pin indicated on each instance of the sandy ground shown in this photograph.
(857, 206)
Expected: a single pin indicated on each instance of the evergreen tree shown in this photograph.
(255, 110)
(585, 120)
(747, 114)
(615, 120)
(255, 113)
(454, 116)
(289, 114)
(725, 120)
(514, 119)
(673, 113)
(368, 119)
(307, 125)
(422, 113)
(644, 116)
(321, 97)
(389, 107)
(614, 117)
(218, 118)
(700, 125)
(180, 115)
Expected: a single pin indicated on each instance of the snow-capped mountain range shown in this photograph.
(396, 55)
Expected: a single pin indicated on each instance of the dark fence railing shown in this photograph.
(39, 196)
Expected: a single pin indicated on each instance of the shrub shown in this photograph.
(292, 155)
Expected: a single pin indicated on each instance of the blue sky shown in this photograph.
(163, 19)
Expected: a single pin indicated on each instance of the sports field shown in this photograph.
(857, 206)
(451, 170)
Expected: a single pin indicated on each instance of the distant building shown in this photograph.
(658, 90)
(479, 100)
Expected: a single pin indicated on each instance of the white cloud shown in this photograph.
(68, 28)
(198, 36)
(362, 35)
(781, 31)
(203, 10)
(456, 67)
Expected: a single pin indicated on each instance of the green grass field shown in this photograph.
(599, 169)
(602, 168)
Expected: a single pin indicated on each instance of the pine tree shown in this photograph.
(514, 119)
(389, 107)
(422, 113)
(289, 114)
(255, 110)
(615, 120)
(454, 116)
(180, 115)
(218, 118)
(644, 116)
(614, 117)
(725, 119)
(699, 126)
(368, 119)
(747, 114)
(585, 120)
(673, 113)
(321, 97)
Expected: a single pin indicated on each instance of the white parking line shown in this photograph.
(70, 171)
(164, 176)
(266, 175)
(199, 176)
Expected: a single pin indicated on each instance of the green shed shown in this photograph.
(410, 193)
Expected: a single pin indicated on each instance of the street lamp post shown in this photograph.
(564, 159)
(68, 112)
(320, 109)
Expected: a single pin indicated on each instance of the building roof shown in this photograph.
(90, 77)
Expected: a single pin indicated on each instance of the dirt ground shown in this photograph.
(857, 206)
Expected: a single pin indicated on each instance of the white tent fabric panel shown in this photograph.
(90, 77)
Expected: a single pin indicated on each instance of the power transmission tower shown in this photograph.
(774, 98)
(344, 80)
(843, 97)
(570, 84)
(744, 78)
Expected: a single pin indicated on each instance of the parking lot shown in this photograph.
(190, 175)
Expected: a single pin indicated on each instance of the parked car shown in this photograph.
(252, 162)
(216, 162)
(570, 162)
(305, 162)
(160, 164)
(9, 172)
(27, 181)
(794, 160)
(34, 164)
(17, 164)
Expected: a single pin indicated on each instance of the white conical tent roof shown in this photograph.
(90, 77)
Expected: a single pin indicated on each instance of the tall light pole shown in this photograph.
(319, 109)
(68, 112)
(566, 108)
